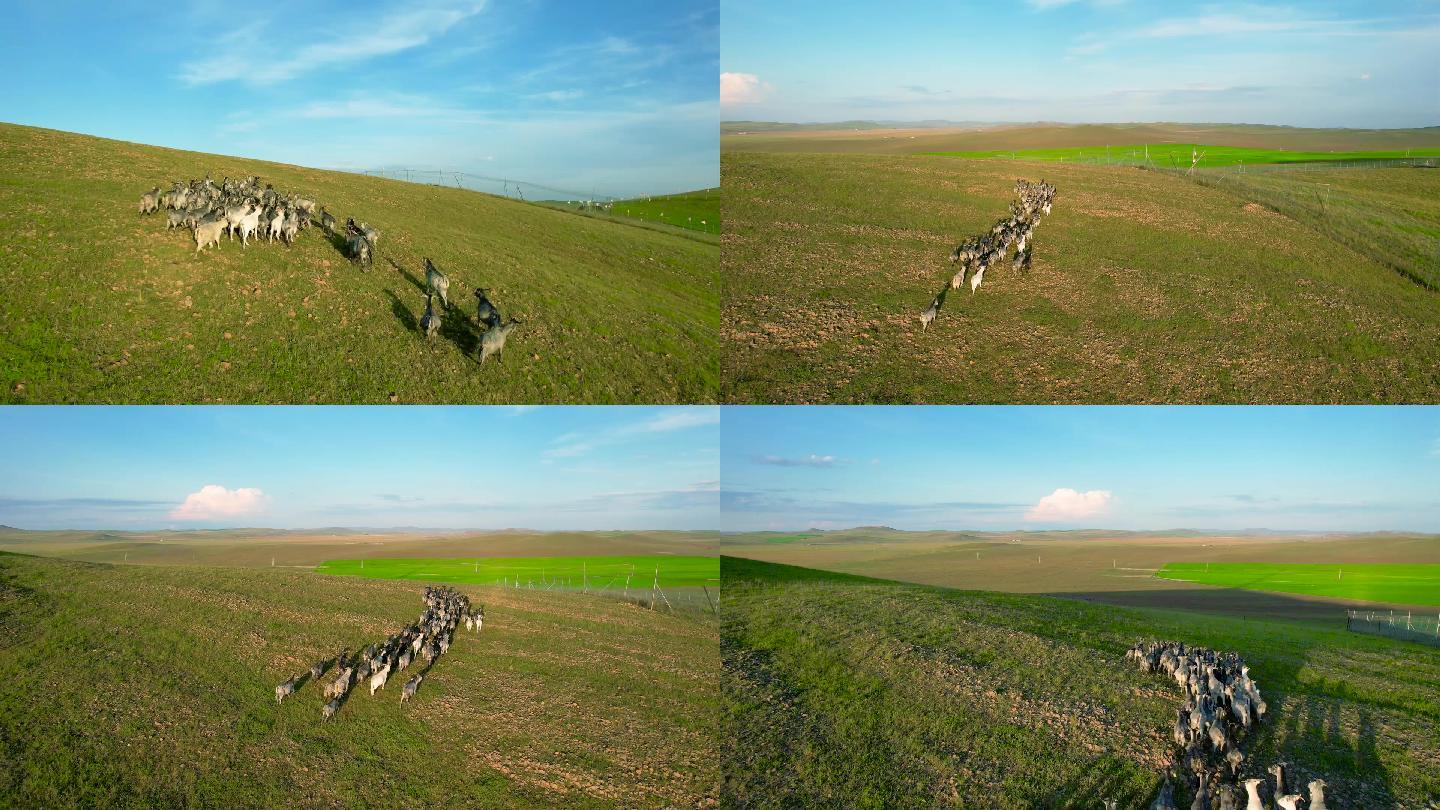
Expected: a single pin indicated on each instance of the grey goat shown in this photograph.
(437, 282)
(493, 341)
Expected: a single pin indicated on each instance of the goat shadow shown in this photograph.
(456, 325)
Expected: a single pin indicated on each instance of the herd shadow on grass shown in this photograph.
(456, 325)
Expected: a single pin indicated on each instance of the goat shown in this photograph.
(486, 313)
(330, 708)
(430, 321)
(285, 690)
(1317, 794)
(493, 341)
(327, 221)
(928, 316)
(1252, 790)
(437, 282)
(207, 233)
(150, 201)
(360, 250)
(249, 224)
(410, 687)
(379, 678)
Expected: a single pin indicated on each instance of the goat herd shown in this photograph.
(429, 637)
(243, 207)
(1222, 703)
(978, 253)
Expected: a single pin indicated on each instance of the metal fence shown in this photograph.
(639, 590)
(500, 186)
(1172, 163)
(1423, 628)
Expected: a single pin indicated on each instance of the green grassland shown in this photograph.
(1395, 584)
(1391, 216)
(692, 211)
(1178, 155)
(1145, 288)
(154, 686)
(900, 139)
(842, 691)
(106, 305)
(673, 571)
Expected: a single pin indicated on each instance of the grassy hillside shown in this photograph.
(1145, 288)
(1397, 584)
(106, 305)
(143, 686)
(872, 694)
(1389, 215)
(692, 211)
(671, 571)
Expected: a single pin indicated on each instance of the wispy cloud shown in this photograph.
(574, 444)
(244, 56)
(811, 460)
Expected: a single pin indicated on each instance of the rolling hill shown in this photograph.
(848, 691)
(1145, 287)
(107, 305)
(151, 686)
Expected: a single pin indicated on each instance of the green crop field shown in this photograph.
(1178, 155)
(845, 691)
(146, 686)
(693, 211)
(1396, 584)
(674, 571)
(107, 305)
(1146, 287)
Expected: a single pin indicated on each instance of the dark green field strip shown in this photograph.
(893, 694)
(1395, 584)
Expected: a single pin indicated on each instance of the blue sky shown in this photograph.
(1351, 63)
(283, 467)
(617, 97)
(1005, 468)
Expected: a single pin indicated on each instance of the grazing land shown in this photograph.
(895, 139)
(1394, 584)
(1117, 568)
(1145, 287)
(844, 690)
(692, 211)
(107, 305)
(264, 548)
(569, 572)
(1179, 155)
(154, 686)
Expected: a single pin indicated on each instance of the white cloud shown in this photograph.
(242, 56)
(214, 501)
(1067, 504)
(742, 88)
(1365, 77)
